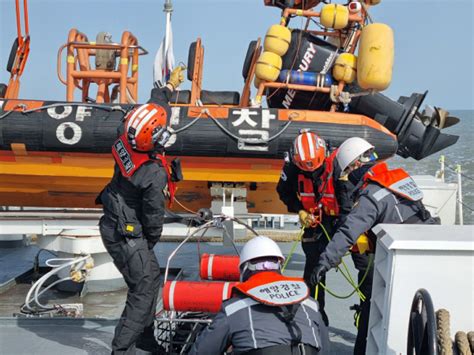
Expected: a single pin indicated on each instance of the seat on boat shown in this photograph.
(207, 97)
(181, 97)
(220, 97)
(194, 74)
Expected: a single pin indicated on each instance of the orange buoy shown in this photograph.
(219, 267)
(195, 296)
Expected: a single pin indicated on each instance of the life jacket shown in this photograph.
(397, 181)
(287, 293)
(326, 190)
(129, 161)
(272, 288)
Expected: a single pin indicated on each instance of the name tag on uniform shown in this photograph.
(124, 156)
(280, 293)
(408, 188)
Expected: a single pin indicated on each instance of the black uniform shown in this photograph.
(138, 201)
(314, 241)
(376, 204)
(255, 328)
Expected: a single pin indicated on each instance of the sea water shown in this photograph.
(461, 153)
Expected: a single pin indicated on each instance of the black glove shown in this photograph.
(318, 274)
(203, 215)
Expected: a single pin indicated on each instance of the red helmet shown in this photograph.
(145, 127)
(308, 151)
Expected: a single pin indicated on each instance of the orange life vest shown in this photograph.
(129, 160)
(274, 289)
(326, 190)
(397, 181)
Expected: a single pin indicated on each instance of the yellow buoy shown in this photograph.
(345, 68)
(334, 16)
(268, 66)
(277, 40)
(375, 60)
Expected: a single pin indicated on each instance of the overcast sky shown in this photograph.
(433, 41)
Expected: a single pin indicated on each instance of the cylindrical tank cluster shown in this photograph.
(276, 44)
(372, 68)
(334, 16)
(206, 295)
(375, 61)
(306, 78)
(345, 68)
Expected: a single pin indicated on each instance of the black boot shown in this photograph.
(150, 345)
(147, 342)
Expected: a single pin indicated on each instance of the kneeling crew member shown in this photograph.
(310, 186)
(134, 206)
(385, 196)
(268, 313)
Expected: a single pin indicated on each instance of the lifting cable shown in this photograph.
(229, 133)
(247, 140)
(179, 130)
(292, 250)
(348, 275)
(184, 207)
(458, 172)
(345, 273)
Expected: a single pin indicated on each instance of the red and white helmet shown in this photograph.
(308, 151)
(145, 127)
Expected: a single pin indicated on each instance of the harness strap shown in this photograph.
(288, 316)
(171, 183)
(422, 215)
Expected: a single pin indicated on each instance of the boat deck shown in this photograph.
(93, 333)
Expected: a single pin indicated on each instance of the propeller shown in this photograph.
(437, 117)
(443, 119)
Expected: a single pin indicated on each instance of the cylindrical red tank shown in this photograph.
(219, 267)
(197, 296)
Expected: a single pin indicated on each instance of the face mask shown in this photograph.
(356, 175)
(318, 172)
(250, 268)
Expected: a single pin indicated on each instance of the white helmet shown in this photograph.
(259, 247)
(351, 150)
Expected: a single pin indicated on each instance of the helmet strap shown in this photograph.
(131, 137)
(160, 136)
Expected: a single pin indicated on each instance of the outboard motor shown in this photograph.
(419, 134)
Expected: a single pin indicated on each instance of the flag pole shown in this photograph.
(168, 9)
(164, 58)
